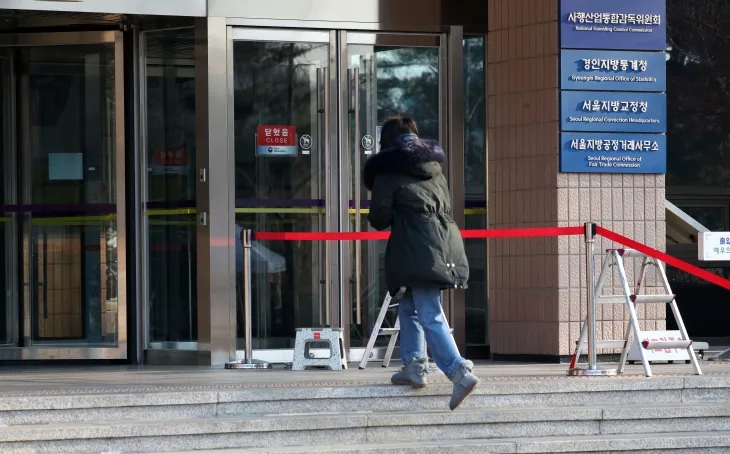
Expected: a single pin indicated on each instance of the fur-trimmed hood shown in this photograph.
(408, 153)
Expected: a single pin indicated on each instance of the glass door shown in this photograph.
(307, 110)
(66, 202)
(8, 275)
(389, 74)
(281, 140)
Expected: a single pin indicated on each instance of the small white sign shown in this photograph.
(714, 246)
(669, 354)
(66, 166)
(305, 141)
(368, 143)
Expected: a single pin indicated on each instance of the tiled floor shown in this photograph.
(94, 379)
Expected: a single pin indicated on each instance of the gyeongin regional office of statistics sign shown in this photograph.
(613, 71)
(613, 24)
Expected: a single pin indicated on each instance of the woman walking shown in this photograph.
(425, 253)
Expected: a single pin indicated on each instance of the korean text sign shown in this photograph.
(613, 71)
(276, 140)
(599, 111)
(714, 246)
(170, 161)
(613, 25)
(590, 152)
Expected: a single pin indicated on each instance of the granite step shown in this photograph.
(677, 443)
(272, 400)
(362, 428)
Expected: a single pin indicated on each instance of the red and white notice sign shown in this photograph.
(167, 161)
(667, 354)
(276, 140)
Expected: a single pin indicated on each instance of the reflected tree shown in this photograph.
(698, 78)
(475, 117)
(275, 84)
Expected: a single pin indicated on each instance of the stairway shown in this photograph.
(671, 414)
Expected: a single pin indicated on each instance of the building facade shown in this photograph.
(141, 138)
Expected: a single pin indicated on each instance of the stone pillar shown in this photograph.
(537, 286)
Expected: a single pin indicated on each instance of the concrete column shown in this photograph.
(537, 286)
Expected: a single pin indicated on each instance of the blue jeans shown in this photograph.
(420, 313)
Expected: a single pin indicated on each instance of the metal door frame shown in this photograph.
(74, 351)
(147, 348)
(9, 160)
(338, 162)
(396, 39)
(331, 166)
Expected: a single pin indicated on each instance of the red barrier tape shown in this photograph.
(666, 258)
(506, 233)
(468, 234)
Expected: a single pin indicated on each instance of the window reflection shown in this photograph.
(714, 218)
(6, 170)
(698, 71)
(171, 180)
(477, 322)
(280, 84)
(393, 80)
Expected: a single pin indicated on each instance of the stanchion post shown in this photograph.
(590, 290)
(592, 369)
(248, 362)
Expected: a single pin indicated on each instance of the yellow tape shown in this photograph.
(280, 210)
(172, 223)
(75, 220)
(468, 211)
(171, 212)
(98, 220)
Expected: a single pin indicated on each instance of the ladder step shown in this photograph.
(386, 331)
(627, 252)
(610, 344)
(652, 298)
(611, 299)
(666, 345)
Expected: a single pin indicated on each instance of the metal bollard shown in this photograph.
(592, 369)
(248, 362)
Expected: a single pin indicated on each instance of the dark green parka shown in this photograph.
(410, 195)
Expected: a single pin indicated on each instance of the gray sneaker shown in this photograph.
(413, 374)
(464, 383)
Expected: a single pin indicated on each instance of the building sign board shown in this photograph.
(714, 246)
(276, 140)
(613, 25)
(613, 107)
(590, 152)
(613, 71)
(599, 111)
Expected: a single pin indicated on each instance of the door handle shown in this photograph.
(355, 74)
(324, 147)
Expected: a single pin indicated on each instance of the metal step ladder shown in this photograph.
(378, 330)
(615, 258)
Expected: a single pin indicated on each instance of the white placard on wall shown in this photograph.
(714, 246)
